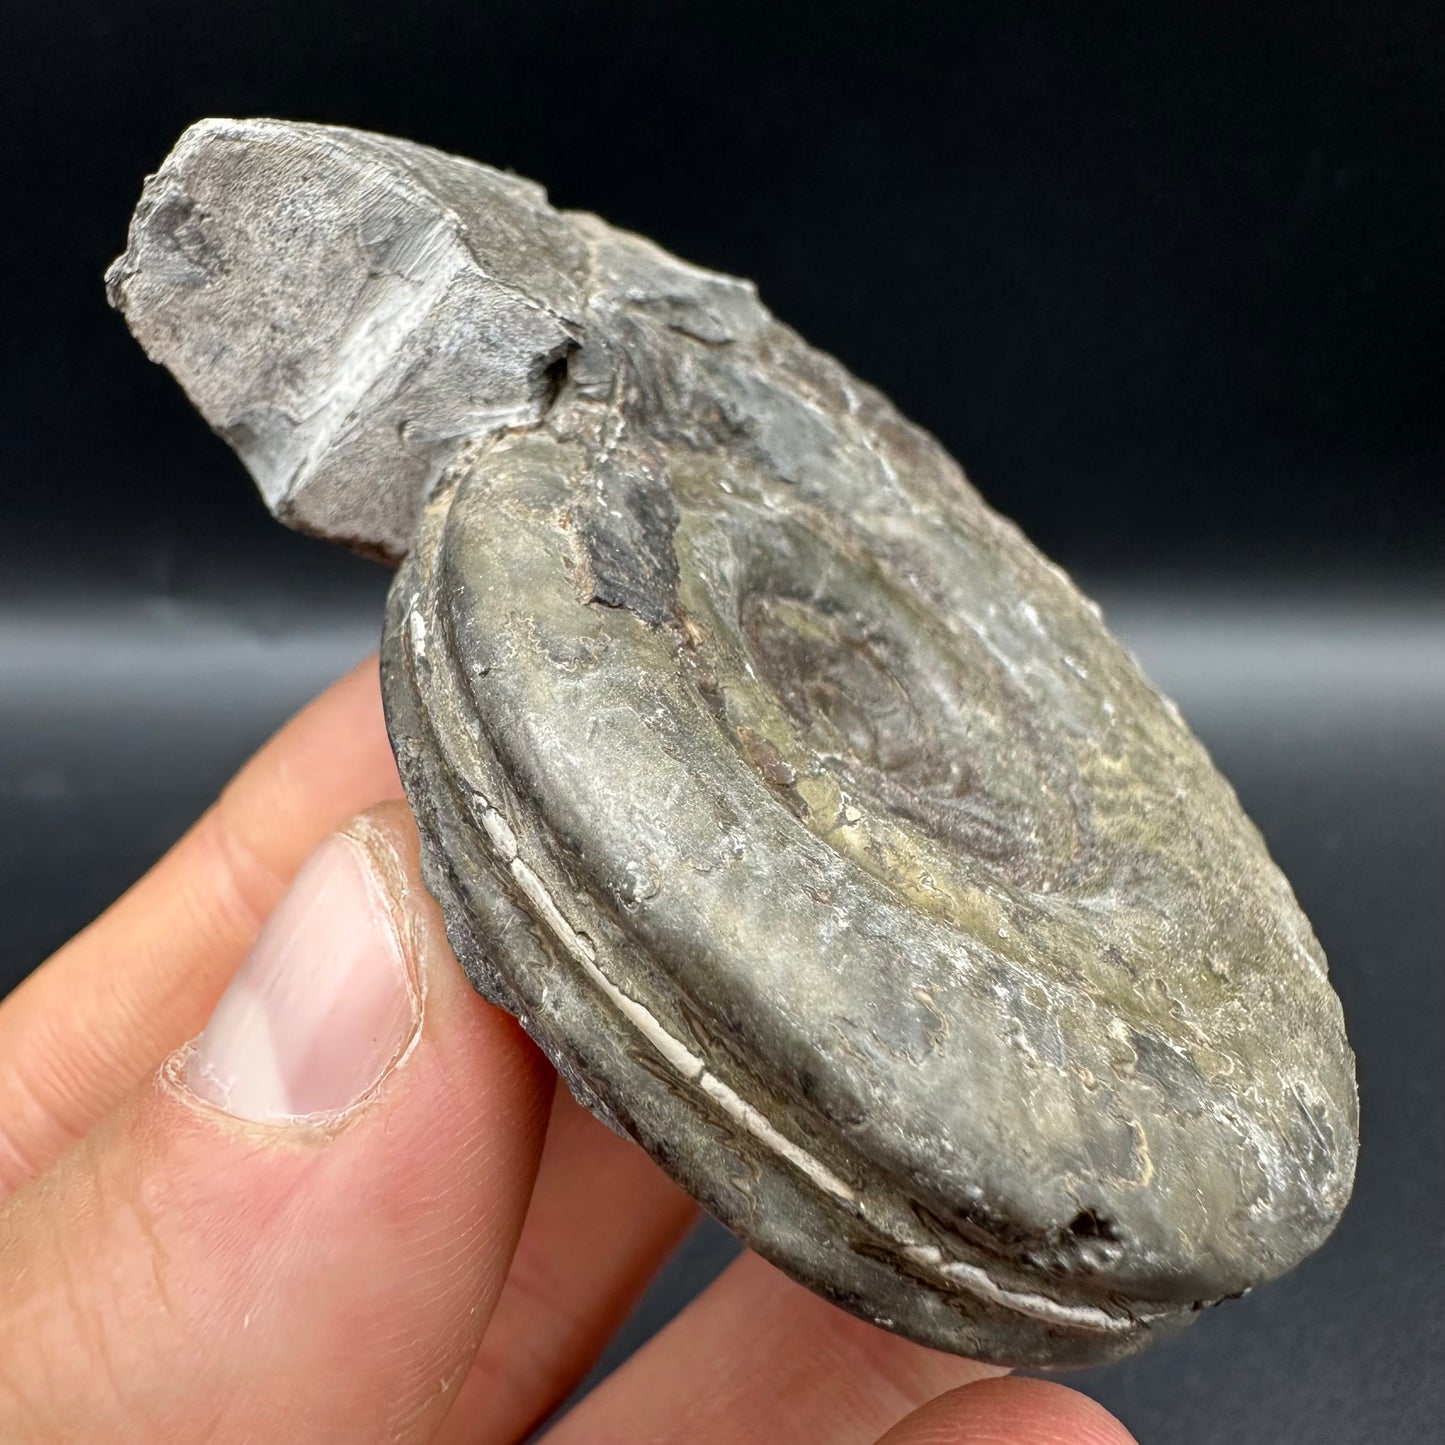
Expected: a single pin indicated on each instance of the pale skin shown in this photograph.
(442, 1262)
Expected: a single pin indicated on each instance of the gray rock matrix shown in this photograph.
(809, 819)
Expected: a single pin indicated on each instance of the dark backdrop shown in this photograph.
(1166, 277)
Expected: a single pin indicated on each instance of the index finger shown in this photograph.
(1016, 1411)
(108, 1006)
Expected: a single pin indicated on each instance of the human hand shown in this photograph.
(358, 1207)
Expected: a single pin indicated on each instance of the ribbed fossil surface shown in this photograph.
(808, 818)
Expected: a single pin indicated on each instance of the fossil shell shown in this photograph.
(807, 817)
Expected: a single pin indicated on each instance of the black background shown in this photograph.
(1166, 277)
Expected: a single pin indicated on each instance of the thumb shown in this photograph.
(298, 1229)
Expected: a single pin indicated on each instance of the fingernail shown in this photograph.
(323, 1006)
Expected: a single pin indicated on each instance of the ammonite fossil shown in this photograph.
(809, 819)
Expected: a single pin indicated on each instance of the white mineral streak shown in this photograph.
(1039, 1306)
(500, 832)
(692, 1068)
(366, 359)
(672, 1049)
(677, 1055)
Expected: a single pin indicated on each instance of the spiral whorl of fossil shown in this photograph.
(808, 818)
